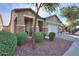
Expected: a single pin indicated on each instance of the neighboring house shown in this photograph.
(1, 23)
(23, 20)
(6, 28)
(54, 24)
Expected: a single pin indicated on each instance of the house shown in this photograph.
(6, 28)
(1, 23)
(54, 24)
(23, 20)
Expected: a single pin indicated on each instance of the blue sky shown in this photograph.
(5, 11)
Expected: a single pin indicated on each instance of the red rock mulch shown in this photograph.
(46, 48)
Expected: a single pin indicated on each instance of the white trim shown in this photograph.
(28, 16)
(20, 25)
(32, 17)
(36, 26)
(50, 22)
(54, 23)
(40, 19)
(44, 27)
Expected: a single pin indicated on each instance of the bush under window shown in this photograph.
(22, 38)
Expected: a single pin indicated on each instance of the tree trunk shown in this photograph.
(34, 30)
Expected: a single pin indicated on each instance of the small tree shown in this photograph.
(49, 7)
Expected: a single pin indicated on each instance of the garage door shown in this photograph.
(52, 28)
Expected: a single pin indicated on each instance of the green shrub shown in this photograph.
(44, 34)
(8, 43)
(39, 37)
(77, 30)
(52, 36)
(21, 38)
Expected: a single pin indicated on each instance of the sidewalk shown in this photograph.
(73, 50)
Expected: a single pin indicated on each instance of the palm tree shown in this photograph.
(71, 13)
(49, 7)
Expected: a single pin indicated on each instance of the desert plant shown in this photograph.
(21, 38)
(39, 37)
(52, 36)
(8, 43)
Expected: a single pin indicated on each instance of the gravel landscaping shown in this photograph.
(46, 48)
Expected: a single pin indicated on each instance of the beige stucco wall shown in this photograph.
(13, 16)
(45, 28)
(53, 20)
(27, 13)
(1, 25)
(20, 19)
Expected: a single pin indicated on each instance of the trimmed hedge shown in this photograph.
(21, 38)
(39, 37)
(52, 36)
(44, 34)
(8, 43)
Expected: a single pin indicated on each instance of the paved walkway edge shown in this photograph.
(73, 50)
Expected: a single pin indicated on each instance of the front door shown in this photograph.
(28, 26)
(40, 24)
(14, 27)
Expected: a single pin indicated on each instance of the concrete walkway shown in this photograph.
(73, 50)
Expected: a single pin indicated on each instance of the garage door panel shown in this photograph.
(52, 28)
